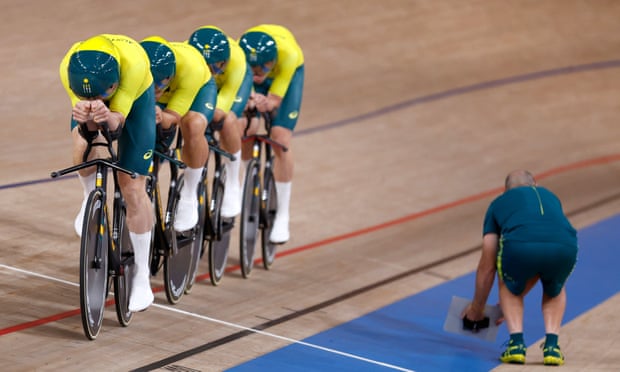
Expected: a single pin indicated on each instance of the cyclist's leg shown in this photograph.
(195, 152)
(230, 137)
(282, 132)
(135, 149)
(86, 176)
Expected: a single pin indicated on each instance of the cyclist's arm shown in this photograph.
(168, 118)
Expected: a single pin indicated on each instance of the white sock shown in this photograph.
(88, 183)
(233, 170)
(284, 197)
(191, 179)
(141, 250)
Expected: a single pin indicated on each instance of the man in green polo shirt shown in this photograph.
(526, 238)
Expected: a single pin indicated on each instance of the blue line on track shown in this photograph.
(409, 333)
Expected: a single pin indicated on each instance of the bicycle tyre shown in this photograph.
(197, 244)
(178, 259)
(250, 217)
(269, 207)
(124, 271)
(94, 277)
(218, 245)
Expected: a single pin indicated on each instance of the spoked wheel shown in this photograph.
(250, 216)
(94, 264)
(218, 244)
(124, 273)
(269, 207)
(197, 244)
(178, 260)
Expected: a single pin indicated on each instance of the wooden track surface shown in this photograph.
(413, 113)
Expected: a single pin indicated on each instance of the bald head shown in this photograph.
(519, 178)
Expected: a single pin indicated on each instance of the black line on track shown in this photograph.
(271, 323)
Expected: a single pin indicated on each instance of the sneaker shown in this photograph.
(79, 219)
(187, 214)
(280, 233)
(231, 203)
(552, 356)
(515, 353)
(141, 295)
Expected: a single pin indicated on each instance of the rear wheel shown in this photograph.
(250, 216)
(94, 264)
(269, 207)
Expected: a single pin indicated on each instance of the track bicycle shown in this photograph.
(260, 199)
(174, 250)
(106, 252)
(216, 228)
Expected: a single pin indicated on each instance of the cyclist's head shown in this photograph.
(163, 63)
(259, 48)
(94, 70)
(214, 46)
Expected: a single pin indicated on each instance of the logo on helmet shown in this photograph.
(207, 51)
(86, 86)
(253, 55)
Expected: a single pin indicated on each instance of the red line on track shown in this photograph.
(552, 172)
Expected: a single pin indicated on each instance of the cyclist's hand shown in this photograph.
(81, 111)
(261, 102)
(158, 115)
(100, 111)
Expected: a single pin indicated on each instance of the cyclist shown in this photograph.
(186, 94)
(233, 77)
(277, 63)
(107, 79)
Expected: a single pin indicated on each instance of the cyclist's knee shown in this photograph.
(193, 124)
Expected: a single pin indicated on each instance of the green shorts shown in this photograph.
(518, 262)
(135, 145)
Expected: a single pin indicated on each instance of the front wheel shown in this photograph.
(269, 207)
(197, 244)
(250, 217)
(220, 239)
(178, 257)
(94, 264)
(123, 272)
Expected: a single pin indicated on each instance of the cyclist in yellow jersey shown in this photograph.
(277, 63)
(107, 78)
(186, 95)
(234, 84)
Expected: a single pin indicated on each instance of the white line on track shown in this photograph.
(225, 323)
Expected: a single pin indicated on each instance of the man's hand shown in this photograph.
(473, 312)
(81, 111)
(101, 112)
(158, 115)
(261, 102)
